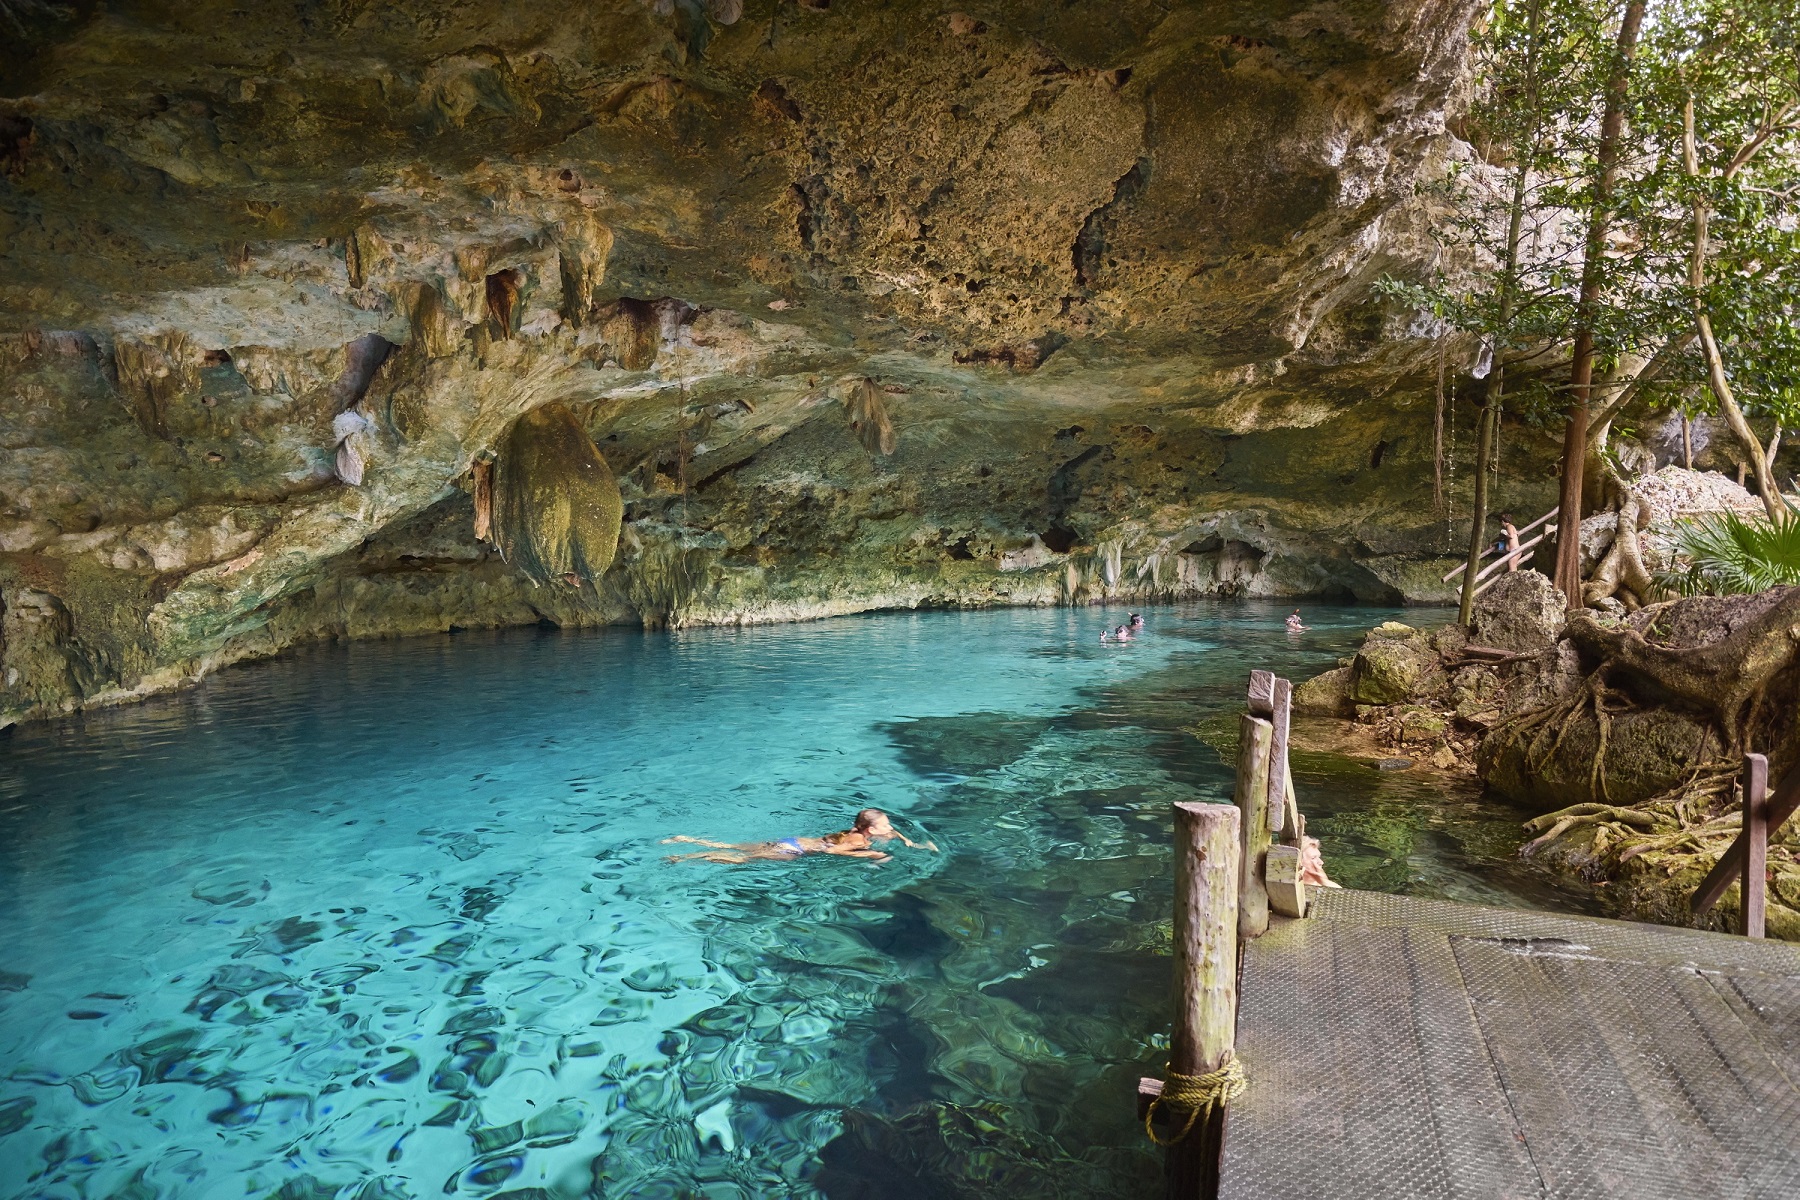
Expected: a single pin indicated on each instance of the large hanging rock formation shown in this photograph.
(1106, 270)
(556, 504)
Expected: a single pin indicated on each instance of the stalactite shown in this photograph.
(1437, 431)
(503, 299)
(556, 507)
(483, 472)
(869, 418)
(353, 432)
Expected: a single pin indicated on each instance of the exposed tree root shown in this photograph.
(1722, 679)
(1622, 572)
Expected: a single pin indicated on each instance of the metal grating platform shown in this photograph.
(1417, 1048)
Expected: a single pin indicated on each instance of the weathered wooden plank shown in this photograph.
(1278, 753)
(1756, 843)
(1254, 738)
(1287, 894)
(1206, 940)
(1148, 1090)
(1295, 824)
(1262, 693)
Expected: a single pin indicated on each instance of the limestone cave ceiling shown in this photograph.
(1102, 271)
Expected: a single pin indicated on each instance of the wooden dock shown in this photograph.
(1386, 1046)
(1400, 1047)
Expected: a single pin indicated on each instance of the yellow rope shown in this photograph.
(1197, 1094)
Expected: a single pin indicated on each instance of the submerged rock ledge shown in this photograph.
(872, 309)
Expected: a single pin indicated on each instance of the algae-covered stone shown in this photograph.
(1421, 725)
(1326, 695)
(556, 505)
(1522, 612)
(1393, 664)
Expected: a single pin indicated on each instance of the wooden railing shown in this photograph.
(1748, 858)
(1526, 552)
(1229, 874)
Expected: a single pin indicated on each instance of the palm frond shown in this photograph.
(1733, 554)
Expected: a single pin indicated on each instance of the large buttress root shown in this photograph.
(1722, 678)
(1622, 572)
(556, 506)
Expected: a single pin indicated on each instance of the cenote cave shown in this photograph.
(487, 489)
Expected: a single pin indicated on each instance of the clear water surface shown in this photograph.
(392, 919)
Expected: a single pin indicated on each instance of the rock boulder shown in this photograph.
(1522, 612)
(1396, 663)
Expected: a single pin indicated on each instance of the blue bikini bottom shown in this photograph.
(791, 846)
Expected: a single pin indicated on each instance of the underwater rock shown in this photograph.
(964, 744)
(556, 506)
(1522, 612)
(943, 1151)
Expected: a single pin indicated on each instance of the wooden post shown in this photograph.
(1287, 892)
(1782, 805)
(1283, 708)
(1756, 843)
(1262, 693)
(1206, 942)
(1255, 736)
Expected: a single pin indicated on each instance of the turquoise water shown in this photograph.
(392, 920)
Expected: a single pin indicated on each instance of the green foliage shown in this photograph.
(1738, 63)
(1730, 554)
(1529, 192)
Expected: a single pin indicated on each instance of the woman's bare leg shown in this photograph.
(718, 856)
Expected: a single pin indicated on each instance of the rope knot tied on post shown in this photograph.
(1198, 1094)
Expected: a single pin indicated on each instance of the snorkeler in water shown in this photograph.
(858, 841)
(1137, 622)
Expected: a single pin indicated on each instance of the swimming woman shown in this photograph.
(858, 841)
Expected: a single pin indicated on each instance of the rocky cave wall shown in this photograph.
(1105, 269)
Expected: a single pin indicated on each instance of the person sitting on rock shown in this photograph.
(1294, 623)
(871, 826)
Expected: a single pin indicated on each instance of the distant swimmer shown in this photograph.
(1294, 623)
(1137, 622)
(1118, 633)
(858, 841)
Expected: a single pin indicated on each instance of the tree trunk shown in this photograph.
(1581, 367)
(1484, 444)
